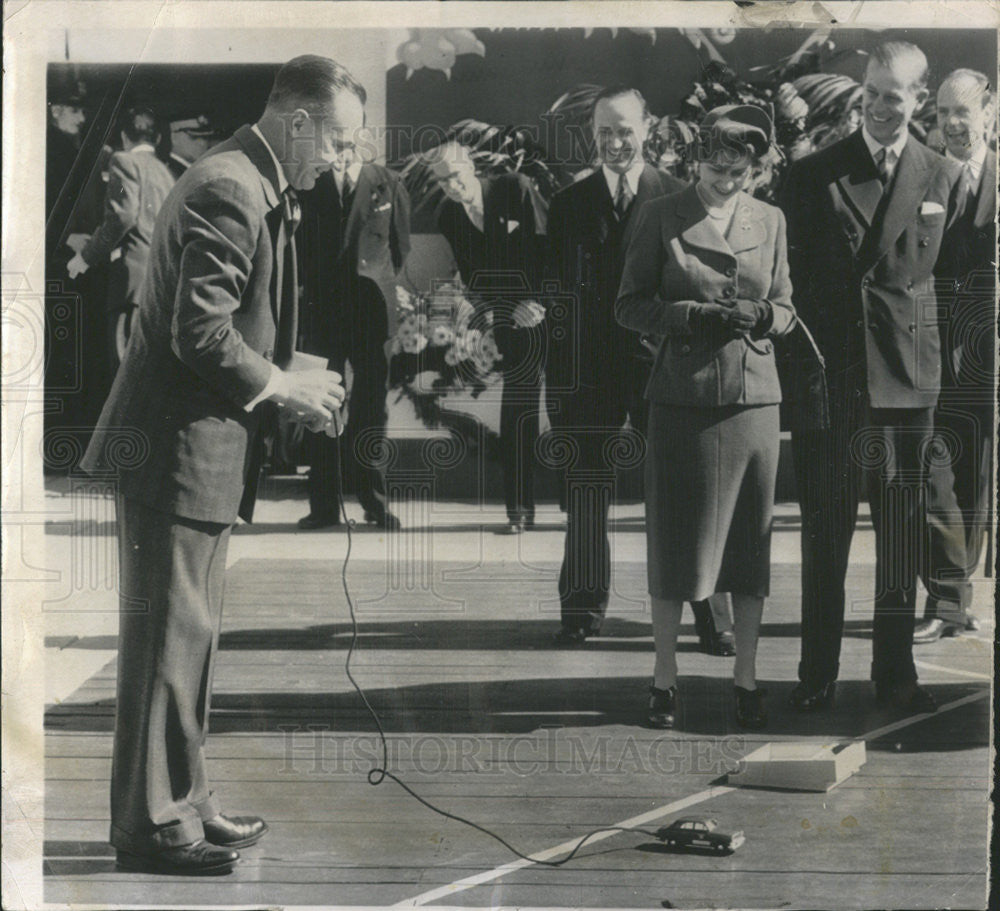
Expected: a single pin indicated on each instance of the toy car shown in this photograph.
(694, 832)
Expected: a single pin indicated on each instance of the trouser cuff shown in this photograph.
(183, 832)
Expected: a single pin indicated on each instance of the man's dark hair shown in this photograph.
(311, 81)
(139, 124)
(616, 91)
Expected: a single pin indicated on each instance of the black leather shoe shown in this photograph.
(570, 635)
(725, 645)
(808, 698)
(234, 831)
(936, 628)
(317, 520)
(905, 697)
(196, 859)
(750, 711)
(661, 710)
(379, 515)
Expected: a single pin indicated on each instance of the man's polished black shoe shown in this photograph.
(808, 698)
(905, 697)
(379, 515)
(234, 831)
(661, 711)
(200, 858)
(936, 628)
(570, 635)
(316, 520)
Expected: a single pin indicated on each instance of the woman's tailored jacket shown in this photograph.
(677, 260)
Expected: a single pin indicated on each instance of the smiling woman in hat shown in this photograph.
(706, 272)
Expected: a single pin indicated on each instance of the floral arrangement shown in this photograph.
(442, 344)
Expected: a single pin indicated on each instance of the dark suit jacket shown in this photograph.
(138, 183)
(863, 268)
(508, 255)
(676, 260)
(586, 256)
(967, 266)
(344, 260)
(174, 430)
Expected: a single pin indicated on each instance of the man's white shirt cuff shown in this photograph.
(274, 384)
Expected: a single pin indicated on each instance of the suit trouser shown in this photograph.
(960, 480)
(590, 421)
(886, 450)
(172, 573)
(520, 403)
(366, 420)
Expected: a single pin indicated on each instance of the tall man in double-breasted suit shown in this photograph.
(138, 183)
(354, 238)
(597, 370)
(180, 434)
(495, 227)
(866, 217)
(965, 412)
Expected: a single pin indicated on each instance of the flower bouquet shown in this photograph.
(442, 344)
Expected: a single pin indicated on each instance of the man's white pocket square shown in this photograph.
(930, 208)
(383, 207)
(512, 225)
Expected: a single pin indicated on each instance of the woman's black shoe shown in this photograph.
(750, 708)
(662, 707)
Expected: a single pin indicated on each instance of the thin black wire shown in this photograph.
(378, 774)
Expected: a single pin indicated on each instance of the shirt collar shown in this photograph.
(892, 151)
(354, 170)
(974, 161)
(631, 177)
(142, 147)
(282, 180)
(476, 203)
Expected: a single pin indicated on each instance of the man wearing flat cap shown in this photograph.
(866, 218)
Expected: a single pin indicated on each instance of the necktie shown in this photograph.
(882, 162)
(623, 197)
(346, 193)
(286, 280)
(967, 183)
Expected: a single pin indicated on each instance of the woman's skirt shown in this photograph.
(710, 476)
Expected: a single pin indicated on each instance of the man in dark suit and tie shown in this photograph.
(965, 411)
(495, 227)
(138, 183)
(597, 370)
(354, 239)
(180, 435)
(866, 217)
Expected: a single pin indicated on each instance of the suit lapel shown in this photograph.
(598, 204)
(698, 231)
(257, 152)
(648, 188)
(359, 205)
(908, 186)
(861, 186)
(986, 199)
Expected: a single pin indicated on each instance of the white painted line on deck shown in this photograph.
(470, 882)
(567, 846)
(953, 670)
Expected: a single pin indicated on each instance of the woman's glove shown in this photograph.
(708, 318)
(751, 317)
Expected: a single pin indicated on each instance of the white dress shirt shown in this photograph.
(892, 152)
(973, 164)
(474, 207)
(353, 171)
(631, 177)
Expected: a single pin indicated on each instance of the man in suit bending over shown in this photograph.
(866, 217)
(495, 227)
(355, 237)
(180, 434)
(966, 409)
(138, 182)
(597, 370)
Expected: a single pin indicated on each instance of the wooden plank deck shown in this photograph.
(487, 720)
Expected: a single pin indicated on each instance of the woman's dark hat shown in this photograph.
(733, 125)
